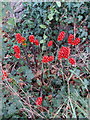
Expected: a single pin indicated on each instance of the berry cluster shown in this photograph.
(50, 43)
(32, 40)
(39, 101)
(61, 36)
(73, 42)
(20, 39)
(64, 52)
(72, 61)
(47, 59)
(4, 74)
(17, 51)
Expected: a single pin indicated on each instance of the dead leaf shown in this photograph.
(49, 97)
(39, 72)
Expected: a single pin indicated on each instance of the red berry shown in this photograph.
(39, 101)
(19, 38)
(76, 41)
(64, 52)
(51, 58)
(73, 42)
(4, 74)
(17, 55)
(61, 36)
(36, 42)
(45, 59)
(31, 38)
(70, 38)
(72, 61)
(16, 49)
(50, 43)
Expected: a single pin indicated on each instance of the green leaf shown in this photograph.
(86, 82)
(58, 3)
(42, 41)
(29, 74)
(50, 16)
(82, 110)
(43, 47)
(11, 21)
(56, 102)
(69, 5)
(27, 71)
(88, 49)
(43, 26)
(44, 36)
(45, 103)
(77, 71)
(80, 18)
(39, 82)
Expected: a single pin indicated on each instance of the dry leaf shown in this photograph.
(39, 72)
(49, 97)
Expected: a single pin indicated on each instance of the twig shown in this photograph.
(33, 50)
(26, 55)
(25, 102)
(62, 69)
(83, 20)
(74, 28)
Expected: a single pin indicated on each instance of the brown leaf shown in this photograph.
(22, 84)
(49, 97)
(39, 72)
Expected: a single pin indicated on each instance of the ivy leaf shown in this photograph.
(43, 47)
(58, 3)
(69, 5)
(42, 41)
(43, 26)
(27, 71)
(80, 18)
(44, 36)
(11, 21)
(29, 74)
(50, 16)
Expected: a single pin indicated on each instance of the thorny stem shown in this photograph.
(31, 111)
(67, 105)
(10, 87)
